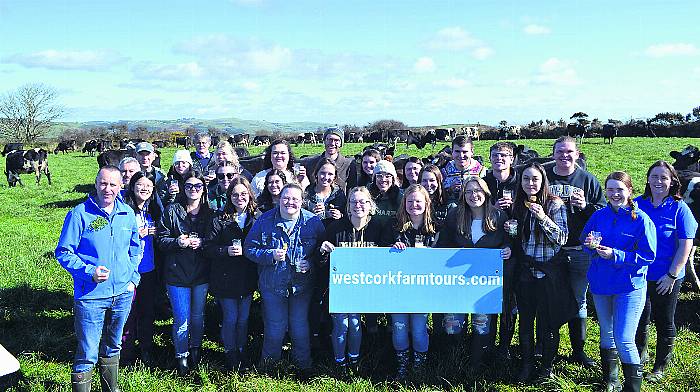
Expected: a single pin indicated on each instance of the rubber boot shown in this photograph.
(577, 334)
(182, 367)
(195, 357)
(610, 368)
(109, 373)
(641, 339)
(528, 359)
(550, 347)
(479, 346)
(81, 382)
(420, 361)
(664, 354)
(403, 357)
(633, 377)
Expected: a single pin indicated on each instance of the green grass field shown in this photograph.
(36, 321)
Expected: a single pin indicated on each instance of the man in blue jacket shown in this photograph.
(99, 247)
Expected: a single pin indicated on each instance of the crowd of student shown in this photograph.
(208, 226)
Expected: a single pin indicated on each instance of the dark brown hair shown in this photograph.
(674, 190)
(229, 208)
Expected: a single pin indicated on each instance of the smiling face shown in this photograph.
(290, 201)
(617, 192)
(280, 156)
(194, 188)
(474, 195)
(240, 197)
(143, 189)
(224, 176)
(203, 145)
(326, 176)
(462, 155)
(531, 181)
(565, 155)
(415, 204)
(501, 159)
(368, 164)
(383, 181)
(274, 185)
(145, 159)
(411, 171)
(182, 167)
(429, 182)
(128, 171)
(659, 182)
(223, 155)
(107, 184)
(360, 205)
(332, 144)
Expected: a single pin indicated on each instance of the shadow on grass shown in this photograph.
(64, 203)
(37, 320)
(84, 188)
(688, 308)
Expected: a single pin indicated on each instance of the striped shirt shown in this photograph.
(553, 233)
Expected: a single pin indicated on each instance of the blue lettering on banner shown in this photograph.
(416, 280)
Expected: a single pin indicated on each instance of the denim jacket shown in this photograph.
(91, 237)
(268, 234)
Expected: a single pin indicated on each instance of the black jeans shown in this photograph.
(532, 304)
(662, 309)
(139, 325)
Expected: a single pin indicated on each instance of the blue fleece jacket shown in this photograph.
(91, 237)
(634, 248)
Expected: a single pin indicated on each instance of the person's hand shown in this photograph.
(335, 213)
(303, 265)
(506, 253)
(588, 241)
(131, 287)
(302, 174)
(152, 230)
(183, 241)
(143, 232)
(537, 211)
(195, 243)
(604, 252)
(279, 254)
(503, 203)
(319, 208)
(327, 247)
(101, 274)
(665, 285)
(399, 245)
(174, 188)
(578, 199)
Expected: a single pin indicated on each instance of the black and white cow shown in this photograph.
(609, 132)
(421, 140)
(91, 146)
(30, 161)
(239, 139)
(261, 140)
(64, 146)
(9, 147)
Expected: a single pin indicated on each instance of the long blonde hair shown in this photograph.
(404, 221)
(464, 212)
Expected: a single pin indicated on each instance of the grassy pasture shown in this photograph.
(36, 298)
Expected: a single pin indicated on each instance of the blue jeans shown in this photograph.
(234, 325)
(281, 313)
(618, 316)
(188, 316)
(454, 323)
(419, 331)
(347, 331)
(578, 269)
(99, 324)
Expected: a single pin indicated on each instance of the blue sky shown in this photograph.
(421, 62)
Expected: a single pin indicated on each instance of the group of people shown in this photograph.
(208, 226)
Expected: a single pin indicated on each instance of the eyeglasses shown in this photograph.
(147, 186)
(359, 202)
(473, 191)
(221, 176)
(237, 195)
(195, 187)
(288, 199)
(501, 155)
(384, 175)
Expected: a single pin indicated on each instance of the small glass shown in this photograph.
(193, 235)
(595, 237)
(512, 226)
(174, 182)
(296, 168)
(420, 241)
(236, 242)
(507, 194)
(211, 173)
(319, 203)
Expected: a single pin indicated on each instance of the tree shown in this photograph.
(596, 123)
(27, 113)
(386, 125)
(503, 123)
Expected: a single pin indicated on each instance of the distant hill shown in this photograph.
(229, 125)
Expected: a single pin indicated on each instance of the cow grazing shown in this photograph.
(160, 143)
(421, 140)
(113, 157)
(375, 137)
(523, 154)
(64, 146)
(9, 147)
(239, 139)
(30, 161)
(91, 146)
(609, 132)
(687, 164)
(183, 141)
(261, 140)
(443, 134)
(577, 130)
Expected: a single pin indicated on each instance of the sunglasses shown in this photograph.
(221, 176)
(196, 187)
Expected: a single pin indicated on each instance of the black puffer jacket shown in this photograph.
(231, 276)
(184, 267)
(450, 237)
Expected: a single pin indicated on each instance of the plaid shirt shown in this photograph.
(552, 236)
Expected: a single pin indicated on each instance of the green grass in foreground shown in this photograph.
(36, 299)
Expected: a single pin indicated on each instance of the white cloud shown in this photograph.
(191, 70)
(453, 83)
(456, 39)
(87, 60)
(557, 72)
(676, 49)
(535, 29)
(424, 64)
(250, 86)
(269, 59)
